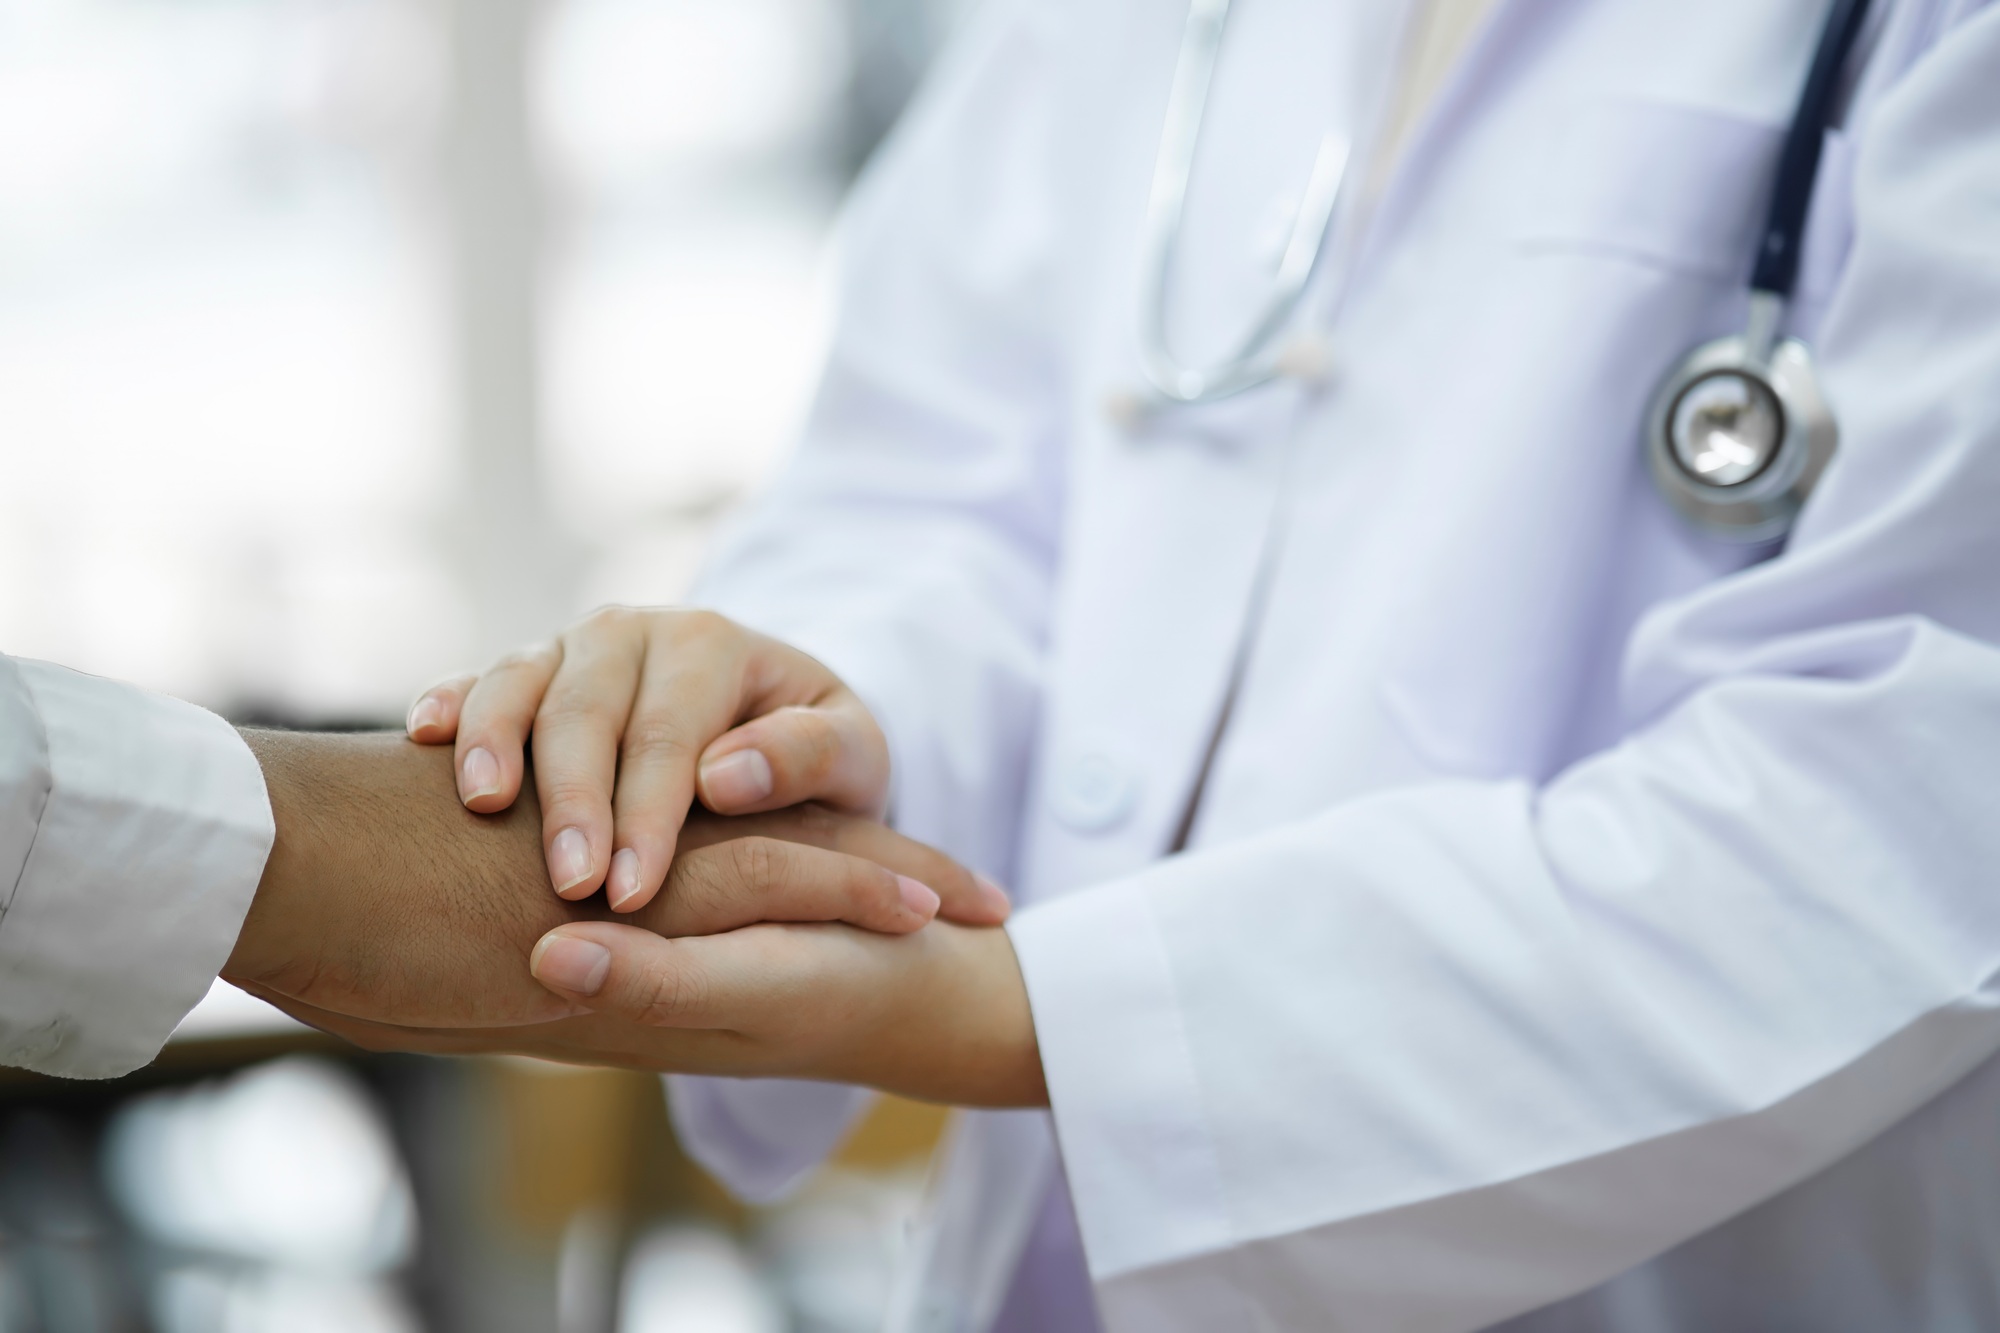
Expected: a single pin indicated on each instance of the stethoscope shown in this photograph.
(1261, 356)
(1736, 435)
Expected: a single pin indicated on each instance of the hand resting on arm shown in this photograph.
(385, 899)
(632, 712)
(637, 713)
(940, 1014)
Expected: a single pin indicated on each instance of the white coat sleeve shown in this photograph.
(910, 545)
(133, 831)
(1452, 1052)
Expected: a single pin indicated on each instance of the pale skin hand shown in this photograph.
(636, 714)
(385, 899)
(940, 1014)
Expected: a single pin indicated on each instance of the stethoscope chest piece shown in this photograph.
(1736, 441)
(1738, 433)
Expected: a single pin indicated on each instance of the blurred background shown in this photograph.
(343, 344)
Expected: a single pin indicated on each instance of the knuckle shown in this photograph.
(529, 655)
(571, 793)
(670, 995)
(571, 705)
(521, 661)
(758, 862)
(700, 620)
(694, 884)
(817, 741)
(696, 628)
(654, 737)
(611, 618)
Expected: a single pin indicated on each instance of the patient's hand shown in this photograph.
(635, 714)
(385, 899)
(940, 1014)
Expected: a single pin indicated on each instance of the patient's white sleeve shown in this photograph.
(133, 831)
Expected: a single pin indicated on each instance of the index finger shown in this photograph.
(745, 881)
(701, 675)
(966, 896)
(493, 723)
(690, 681)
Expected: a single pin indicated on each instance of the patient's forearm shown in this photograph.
(384, 896)
(385, 899)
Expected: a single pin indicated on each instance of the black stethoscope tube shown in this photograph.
(1738, 433)
(1798, 166)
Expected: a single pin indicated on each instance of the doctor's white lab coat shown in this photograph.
(1577, 909)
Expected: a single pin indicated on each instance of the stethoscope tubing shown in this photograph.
(1778, 247)
(1255, 359)
(1259, 357)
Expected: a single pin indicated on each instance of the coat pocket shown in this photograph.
(1674, 187)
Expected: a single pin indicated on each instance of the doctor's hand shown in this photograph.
(636, 714)
(383, 898)
(940, 1014)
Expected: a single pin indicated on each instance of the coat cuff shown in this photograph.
(1142, 1163)
(149, 845)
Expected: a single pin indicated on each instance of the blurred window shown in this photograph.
(220, 415)
(251, 456)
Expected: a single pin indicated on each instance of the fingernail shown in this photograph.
(570, 964)
(425, 713)
(743, 778)
(622, 884)
(995, 897)
(917, 896)
(569, 859)
(479, 775)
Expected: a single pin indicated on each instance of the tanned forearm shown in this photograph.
(385, 902)
(383, 893)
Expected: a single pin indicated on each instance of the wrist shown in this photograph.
(384, 898)
(267, 947)
(958, 1029)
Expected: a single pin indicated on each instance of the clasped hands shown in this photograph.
(690, 876)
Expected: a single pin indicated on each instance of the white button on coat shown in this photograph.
(1093, 793)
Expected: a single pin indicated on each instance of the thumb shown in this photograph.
(831, 752)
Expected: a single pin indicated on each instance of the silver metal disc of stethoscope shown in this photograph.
(1734, 446)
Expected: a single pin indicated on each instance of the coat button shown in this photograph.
(1092, 793)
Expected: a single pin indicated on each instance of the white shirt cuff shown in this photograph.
(142, 865)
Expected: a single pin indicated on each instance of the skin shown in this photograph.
(940, 1015)
(635, 715)
(630, 713)
(385, 900)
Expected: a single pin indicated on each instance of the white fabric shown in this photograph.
(1565, 884)
(133, 831)
(763, 1138)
